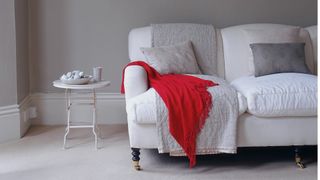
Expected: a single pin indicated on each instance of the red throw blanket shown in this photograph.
(188, 103)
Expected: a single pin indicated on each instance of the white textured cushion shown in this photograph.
(178, 59)
(279, 35)
(283, 94)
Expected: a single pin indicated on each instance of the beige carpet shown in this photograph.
(39, 156)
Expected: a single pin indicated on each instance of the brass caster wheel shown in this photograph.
(298, 159)
(136, 165)
(300, 165)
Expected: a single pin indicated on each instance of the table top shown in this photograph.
(90, 85)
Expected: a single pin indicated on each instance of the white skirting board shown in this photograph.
(14, 120)
(51, 108)
(10, 123)
(24, 113)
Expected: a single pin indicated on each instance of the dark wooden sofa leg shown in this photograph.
(136, 158)
(298, 158)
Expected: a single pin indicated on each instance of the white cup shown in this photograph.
(97, 73)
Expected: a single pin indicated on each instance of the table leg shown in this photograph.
(94, 120)
(68, 106)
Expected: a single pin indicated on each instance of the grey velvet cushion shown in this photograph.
(270, 58)
(177, 59)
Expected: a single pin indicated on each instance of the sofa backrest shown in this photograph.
(233, 54)
(138, 37)
(237, 55)
(141, 37)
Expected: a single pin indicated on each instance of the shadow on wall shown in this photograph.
(50, 39)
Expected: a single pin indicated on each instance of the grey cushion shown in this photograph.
(177, 59)
(270, 58)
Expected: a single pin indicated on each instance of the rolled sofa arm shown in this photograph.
(135, 81)
(313, 30)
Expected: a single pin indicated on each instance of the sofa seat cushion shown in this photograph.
(283, 94)
(142, 108)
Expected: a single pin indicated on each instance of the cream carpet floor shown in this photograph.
(39, 156)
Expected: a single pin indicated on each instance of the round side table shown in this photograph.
(92, 86)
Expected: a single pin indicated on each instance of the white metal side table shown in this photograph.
(92, 86)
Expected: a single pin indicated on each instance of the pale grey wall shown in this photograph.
(8, 85)
(21, 21)
(80, 34)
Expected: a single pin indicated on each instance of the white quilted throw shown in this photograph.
(219, 132)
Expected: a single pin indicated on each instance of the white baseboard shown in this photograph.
(14, 120)
(10, 123)
(51, 108)
(8, 110)
(25, 121)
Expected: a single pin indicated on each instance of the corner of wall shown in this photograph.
(25, 121)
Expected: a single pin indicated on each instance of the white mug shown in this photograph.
(97, 73)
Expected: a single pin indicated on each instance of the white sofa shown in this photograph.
(253, 131)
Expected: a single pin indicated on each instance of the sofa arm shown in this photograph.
(314, 36)
(135, 81)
